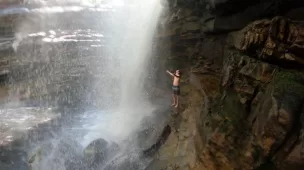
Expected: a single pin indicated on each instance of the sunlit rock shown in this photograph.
(278, 40)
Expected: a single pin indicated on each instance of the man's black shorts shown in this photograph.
(176, 90)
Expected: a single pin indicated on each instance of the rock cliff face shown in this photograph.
(243, 89)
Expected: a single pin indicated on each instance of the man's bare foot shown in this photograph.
(176, 106)
(173, 104)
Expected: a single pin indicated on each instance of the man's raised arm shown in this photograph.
(170, 73)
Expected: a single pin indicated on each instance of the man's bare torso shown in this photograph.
(176, 80)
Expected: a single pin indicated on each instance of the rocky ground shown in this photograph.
(179, 150)
(244, 69)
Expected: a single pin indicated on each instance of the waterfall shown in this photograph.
(90, 60)
(132, 37)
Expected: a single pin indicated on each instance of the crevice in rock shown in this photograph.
(295, 130)
(160, 141)
(248, 103)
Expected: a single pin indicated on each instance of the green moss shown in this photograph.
(231, 109)
(289, 88)
(289, 80)
(257, 152)
(224, 127)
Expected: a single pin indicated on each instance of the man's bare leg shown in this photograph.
(176, 101)
(173, 98)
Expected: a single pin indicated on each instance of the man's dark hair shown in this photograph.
(180, 72)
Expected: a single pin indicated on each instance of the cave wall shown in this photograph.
(246, 59)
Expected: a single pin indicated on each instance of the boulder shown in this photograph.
(95, 152)
(98, 151)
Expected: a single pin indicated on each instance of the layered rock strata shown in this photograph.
(245, 61)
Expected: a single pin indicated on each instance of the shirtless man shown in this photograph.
(175, 87)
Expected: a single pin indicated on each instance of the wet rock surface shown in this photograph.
(99, 150)
(17, 122)
(41, 156)
(178, 150)
(20, 127)
(100, 153)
